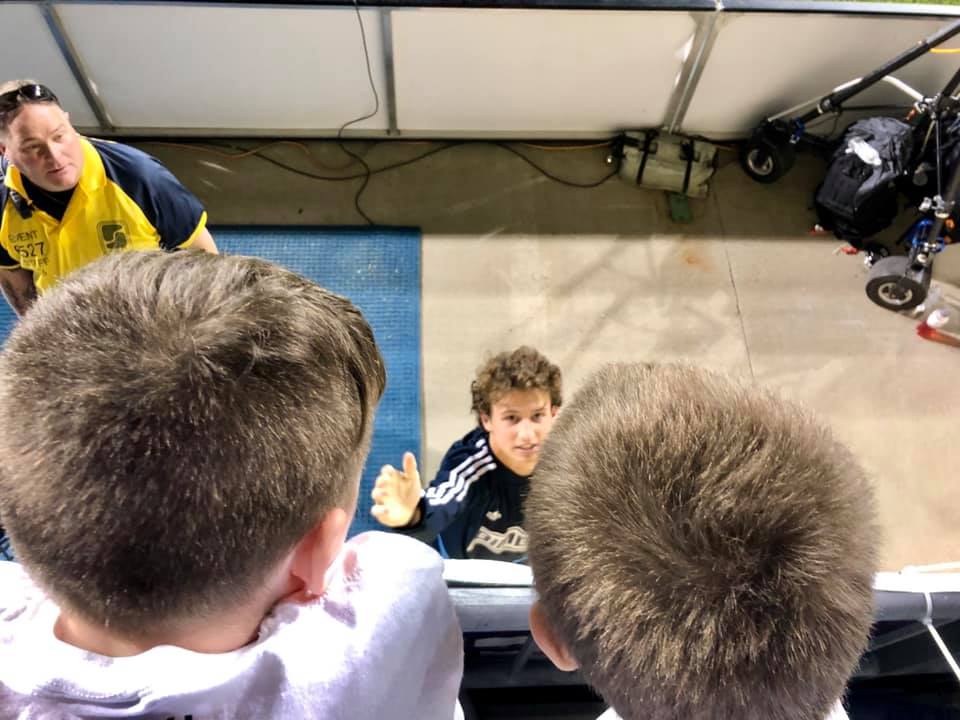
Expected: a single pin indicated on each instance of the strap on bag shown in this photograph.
(22, 205)
(686, 153)
(648, 137)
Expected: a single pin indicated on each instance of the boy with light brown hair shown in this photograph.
(183, 440)
(717, 553)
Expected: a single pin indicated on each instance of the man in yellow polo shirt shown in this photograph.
(67, 199)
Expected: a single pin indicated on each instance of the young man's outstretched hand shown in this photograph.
(396, 495)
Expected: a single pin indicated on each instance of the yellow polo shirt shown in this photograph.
(124, 200)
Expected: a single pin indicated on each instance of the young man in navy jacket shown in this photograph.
(474, 506)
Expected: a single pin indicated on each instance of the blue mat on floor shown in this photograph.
(7, 320)
(379, 270)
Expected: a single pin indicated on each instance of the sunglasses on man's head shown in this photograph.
(26, 93)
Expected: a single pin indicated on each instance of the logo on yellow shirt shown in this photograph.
(113, 235)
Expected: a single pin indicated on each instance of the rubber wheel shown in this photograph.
(765, 160)
(894, 285)
(877, 250)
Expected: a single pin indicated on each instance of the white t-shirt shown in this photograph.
(381, 642)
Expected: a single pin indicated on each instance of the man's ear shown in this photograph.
(547, 640)
(485, 421)
(316, 551)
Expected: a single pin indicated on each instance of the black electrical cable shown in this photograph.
(376, 109)
(816, 122)
(422, 156)
(851, 108)
(350, 159)
(543, 172)
(343, 178)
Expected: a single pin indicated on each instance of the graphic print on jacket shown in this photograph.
(475, 504)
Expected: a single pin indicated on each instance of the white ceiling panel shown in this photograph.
(229, 67)
(536, 71)
(764, 63)
(29, 50)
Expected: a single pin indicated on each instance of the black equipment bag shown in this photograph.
(859, 195)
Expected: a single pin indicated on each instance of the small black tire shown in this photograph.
(765, 160)
(878, 250)
(894, 285)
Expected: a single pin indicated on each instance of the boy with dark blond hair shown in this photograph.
(183, 440)
(718, 552)
(474, 506)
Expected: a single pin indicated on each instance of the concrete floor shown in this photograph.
(595, 275)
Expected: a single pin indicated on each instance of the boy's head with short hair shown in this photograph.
(515, 397)
(185, 423)
(701, 549)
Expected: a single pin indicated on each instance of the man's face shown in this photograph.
(518, 424)
(42, 144)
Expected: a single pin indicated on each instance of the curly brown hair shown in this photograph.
(521, 369)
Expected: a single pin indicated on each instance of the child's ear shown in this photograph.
(316, 551)
(485, 421)
(545, 637)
